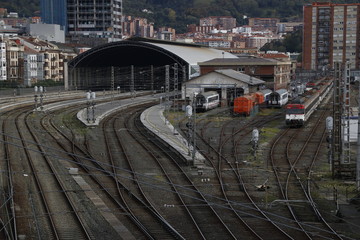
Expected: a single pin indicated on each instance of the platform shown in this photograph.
(153, 119)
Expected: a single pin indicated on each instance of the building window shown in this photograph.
(241, 69)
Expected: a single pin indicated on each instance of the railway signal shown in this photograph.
(90, 96)
(41, 90)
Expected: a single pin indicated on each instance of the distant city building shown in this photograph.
(35, 20)
(261, 24)
(7, 31)
(3, 73)
(13, 15)
(14, 61)
(54, 12)
(95, 19)
(33, 67)
(137, 27)
(221, 23)
(3, 12)
(167, 34)
(331, 34)
(48, 32)
(192, 28)
(84, 19)
(214, 43)
(288, 27)
(258, 41)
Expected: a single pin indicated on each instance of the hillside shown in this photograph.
(25, 8)
(179, 13)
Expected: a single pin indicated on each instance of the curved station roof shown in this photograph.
(145, 52)
(140, 53)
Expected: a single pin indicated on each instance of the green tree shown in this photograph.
(291, 43)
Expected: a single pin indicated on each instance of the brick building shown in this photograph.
(220, 22)
(261, 24)
(275, 73)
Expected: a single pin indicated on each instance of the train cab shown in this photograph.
(206, 101)
(278, 98)
(295, 114)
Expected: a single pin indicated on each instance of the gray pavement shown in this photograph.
(153, 118)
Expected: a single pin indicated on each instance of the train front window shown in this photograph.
(295, 111)
(200, 100)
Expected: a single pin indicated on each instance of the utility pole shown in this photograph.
(112, 82)
(176, 85)
(194, 130)
(329, 128)
(358, 147)
(132, 87)
(167, 82)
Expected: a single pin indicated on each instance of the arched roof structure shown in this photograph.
(140, 53)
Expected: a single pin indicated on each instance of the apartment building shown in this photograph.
(54, 12)
(98, 19)
(220, 22)
(14, 61)
(261, 24)
(137, 27)
(52, 65)
(33, 66)
(95, 18)
(331, 34)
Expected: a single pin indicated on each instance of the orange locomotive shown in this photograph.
(246, 104)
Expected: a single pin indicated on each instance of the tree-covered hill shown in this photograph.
(25, 8)
(179, 13)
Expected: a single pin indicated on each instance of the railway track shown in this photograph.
(230, 181)
(36, 202)
(144, 189)
(293, 155)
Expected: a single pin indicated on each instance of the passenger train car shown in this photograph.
(266, 93)
(278, 98)
(299, 110)
(206, 101)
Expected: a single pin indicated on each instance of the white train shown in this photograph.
(299, 110)
(206, 101)
(278, 98)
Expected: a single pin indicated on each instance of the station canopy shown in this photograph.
(140, 53)
(145, 52)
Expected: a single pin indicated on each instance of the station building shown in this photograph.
(275, 73)
(227, 82)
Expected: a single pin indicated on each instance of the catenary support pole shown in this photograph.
(358, 148)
